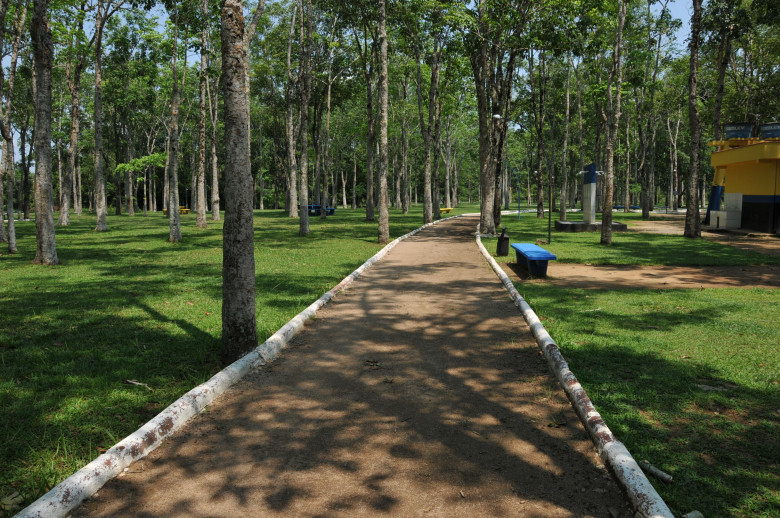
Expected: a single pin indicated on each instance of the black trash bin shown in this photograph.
(503, 244)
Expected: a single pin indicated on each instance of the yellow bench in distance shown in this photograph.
(182, 210)
(445, 210)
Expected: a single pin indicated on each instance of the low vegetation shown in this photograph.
(688, 379)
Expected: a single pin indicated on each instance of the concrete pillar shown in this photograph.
(589, 194)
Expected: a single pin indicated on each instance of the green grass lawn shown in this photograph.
(128, 305)
(687, 379)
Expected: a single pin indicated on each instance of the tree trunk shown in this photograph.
(130, 177)
(8, 159)
(6, 138)
(448, 160)
(3, 169)
(368, 71)
(692, 220)
(214, 162)
(581, 148)
(326, 143)
(354, 178)
(117, 160)
(724, 52)
(101, 208)
(343, 190)
(613, 121)
(428, 129)
(7, 165)
(384, 217)
(174, 220)
(564, 166)
(306, 73)
(292, 81)
(627, 194)
(239, 324)
(537, 91)
(77, 195)
(455, 173)
(73, 147)
(24, 195)
(405, 195)
(200, 197)
(435, 188)
(43, 50)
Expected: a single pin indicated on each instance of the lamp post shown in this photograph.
(517, 177)
(549, 209)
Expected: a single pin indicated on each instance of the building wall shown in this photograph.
(754, 173)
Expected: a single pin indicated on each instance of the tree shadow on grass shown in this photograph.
(716, 436)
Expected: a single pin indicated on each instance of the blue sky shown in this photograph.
(681, 9)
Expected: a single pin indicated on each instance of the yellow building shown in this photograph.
(750, 170)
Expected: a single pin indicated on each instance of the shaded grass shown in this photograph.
(128, 305)
(627, 247)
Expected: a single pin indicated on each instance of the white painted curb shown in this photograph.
(646, 501)
(69, 493)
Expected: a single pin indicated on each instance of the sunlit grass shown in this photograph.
(688, 379)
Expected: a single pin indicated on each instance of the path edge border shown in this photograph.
(643, 496)
(71, 492)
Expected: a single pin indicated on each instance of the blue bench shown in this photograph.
(533, 257)
(315, 210)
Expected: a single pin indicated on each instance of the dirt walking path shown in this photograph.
(418, 391)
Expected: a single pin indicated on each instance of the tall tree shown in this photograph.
(293, 80)
(367, 55)
(43, 49)
(103, 12)
(7, 164)
(427, 130)
(200, 198)
(239, 324)
(384, 226)
(74, 66)
(567, 120)
(612, 122)
(305, 91)
(174, 218)
(6, 136)
(692, 221)
(492, 42)
(214, 163)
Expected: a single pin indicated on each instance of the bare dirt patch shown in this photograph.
(667, 277)
(746, 240)
(652, 277)
(419, 391)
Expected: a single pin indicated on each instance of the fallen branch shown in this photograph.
(657, 473)
(133, 382)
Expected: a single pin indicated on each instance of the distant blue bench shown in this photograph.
(316, 210)
(533, 257)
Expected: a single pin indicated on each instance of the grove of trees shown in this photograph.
(127, 106)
